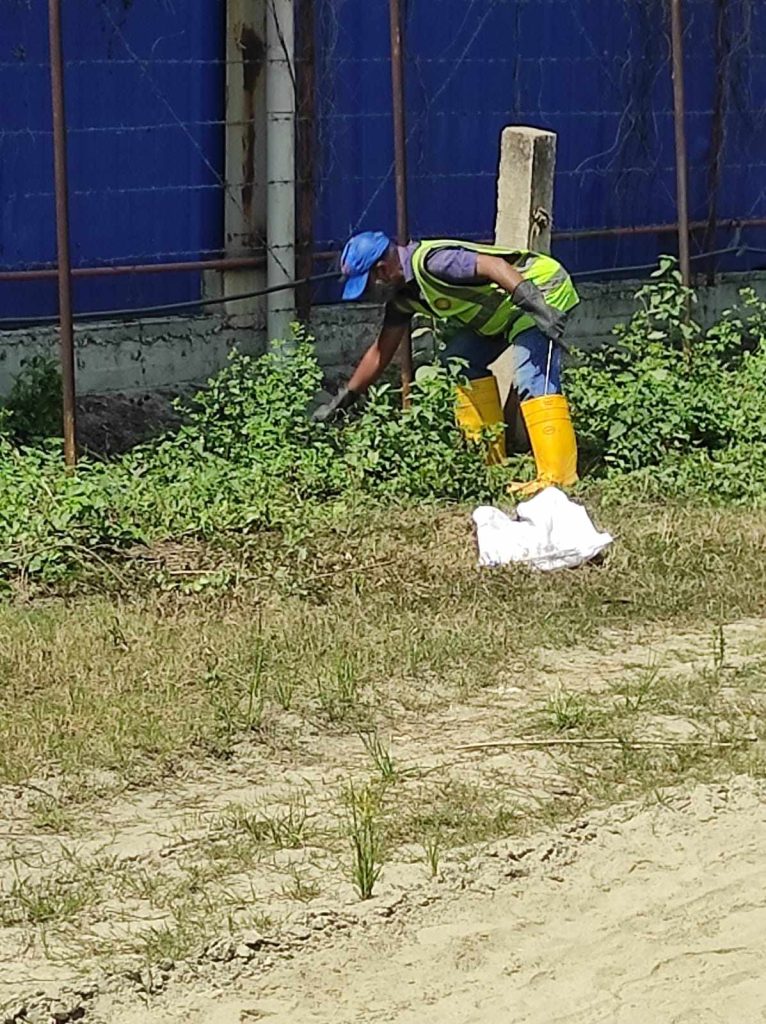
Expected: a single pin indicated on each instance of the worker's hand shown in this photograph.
(552, 323)
(331, 410)
(527, 296)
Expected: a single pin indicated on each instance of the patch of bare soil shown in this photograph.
(614, 654)
(633, 915)
(660, 917)
(113, 423)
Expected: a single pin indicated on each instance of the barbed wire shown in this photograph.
(634, 165)
(146, 258)
(367, 115)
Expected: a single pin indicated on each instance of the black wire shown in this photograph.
(173, 307)
(740, 250)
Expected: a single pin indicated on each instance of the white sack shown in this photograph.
(549, 532)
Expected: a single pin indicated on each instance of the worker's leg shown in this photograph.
(478, 403)
(475, 350)
(537, 375)
(533, 362)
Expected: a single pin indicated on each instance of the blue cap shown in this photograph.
(360, 255)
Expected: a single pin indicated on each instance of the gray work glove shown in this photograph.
(527, 296)
(330, 410)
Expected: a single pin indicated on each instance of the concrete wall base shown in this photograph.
(174, 353)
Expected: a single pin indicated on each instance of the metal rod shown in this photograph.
(616, 232)
(173, 307)
(400, 138)
(327, 255)
(655, 229)
(305, 65)
(400, 169)
(50, 273)
(716, 131)
(679, 112)
(62, 230)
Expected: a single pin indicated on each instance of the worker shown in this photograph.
(490, 297)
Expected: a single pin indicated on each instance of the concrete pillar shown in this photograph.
(280, 167)
(525, 188)
(524, 218)
(245, 202)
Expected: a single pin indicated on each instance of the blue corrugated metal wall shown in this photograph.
(595, 71)
(146, 94)
(145, 100)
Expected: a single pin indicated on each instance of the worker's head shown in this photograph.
(372, 268)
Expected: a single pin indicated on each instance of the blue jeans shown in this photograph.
(530, 359)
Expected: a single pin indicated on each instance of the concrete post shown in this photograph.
(524, 218)
(280, 166)
(245, 202)
(525, 188)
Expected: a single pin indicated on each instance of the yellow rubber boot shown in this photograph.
(478, 407)
(553, 441)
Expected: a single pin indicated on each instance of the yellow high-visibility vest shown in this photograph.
(487, 308)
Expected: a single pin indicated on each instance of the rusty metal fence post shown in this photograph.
(400, 168)
(62, 230)
(721, 52)
(679, 110)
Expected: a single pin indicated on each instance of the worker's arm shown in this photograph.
(377, 357)
(496, 269)
(524, 294)
(371, 366)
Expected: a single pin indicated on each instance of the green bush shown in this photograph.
(248, 457)
(671, 409)
(48, 519)
(417, 453)
(32, 411)
(735, 475)
(668, 394)
(254, 414)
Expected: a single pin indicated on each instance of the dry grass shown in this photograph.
(136, 686)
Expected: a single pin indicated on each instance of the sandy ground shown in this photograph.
(664, 919)
(659, 917)
(637, 914)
